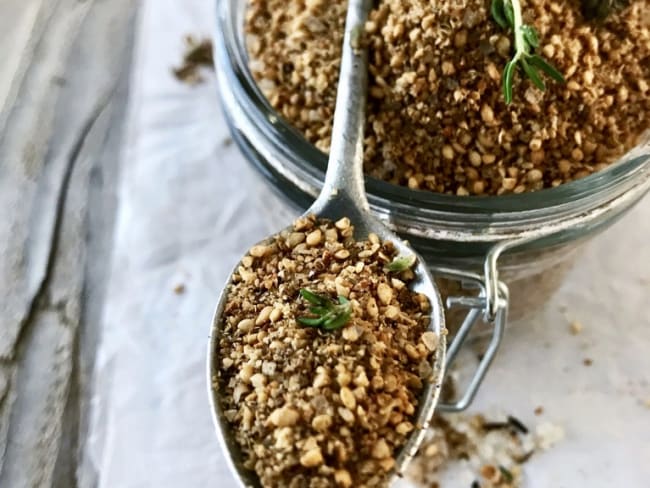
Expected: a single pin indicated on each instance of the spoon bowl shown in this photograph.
(343, 195)
(423, 283)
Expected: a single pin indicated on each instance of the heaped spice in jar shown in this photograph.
(323, 357)
(437, 119)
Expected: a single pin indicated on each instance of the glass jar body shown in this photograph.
(542, 231)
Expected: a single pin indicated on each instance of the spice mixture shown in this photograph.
(479, 453)
(313, 407)
(436, 115)
(197, 54)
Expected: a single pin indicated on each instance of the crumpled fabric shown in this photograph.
(189, 207)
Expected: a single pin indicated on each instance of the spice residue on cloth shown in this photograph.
(436, 116)
(472, 451)
(312, 407)
(197, 54)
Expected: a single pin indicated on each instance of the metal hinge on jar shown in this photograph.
(489, 305)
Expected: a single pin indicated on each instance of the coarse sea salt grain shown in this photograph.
(460, 449)
(548, 434)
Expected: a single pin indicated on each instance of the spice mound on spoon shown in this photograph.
(327, 348)
(324, 354)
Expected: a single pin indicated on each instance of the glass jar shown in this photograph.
(534, 236)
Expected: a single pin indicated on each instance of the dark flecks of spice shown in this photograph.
(496, 425)
(524, 458)
(476, 484)
(507, 475)
(517, 424)
(600, 9)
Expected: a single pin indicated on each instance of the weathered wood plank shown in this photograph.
(30, 189)
(59, 155)
(101, 205)
(20, 23)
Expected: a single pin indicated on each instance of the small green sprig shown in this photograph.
(328, 315)
(400, 263)
(507, 13)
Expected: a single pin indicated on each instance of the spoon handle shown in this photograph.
(344, 177)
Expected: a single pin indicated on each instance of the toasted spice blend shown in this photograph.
(476, 452)
(436, 116)
(198, 53)
(313, 407)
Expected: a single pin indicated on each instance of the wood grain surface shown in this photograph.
(63, 89)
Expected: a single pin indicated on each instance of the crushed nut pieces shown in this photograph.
(436, 116)
(317, 408)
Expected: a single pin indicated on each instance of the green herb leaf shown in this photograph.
(509, 12)
(508, 74)
(533, 75)
(311, 321)
(328, 314)
(530, 35)
(507, 475)
(314, 298)
(526, 40)
(546, 67)
(338, 321)
(318, 310)
(498, 13)
(401, 263)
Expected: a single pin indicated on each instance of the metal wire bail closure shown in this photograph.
(491, 305)
(492, 300)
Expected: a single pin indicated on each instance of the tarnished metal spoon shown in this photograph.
(343, 195)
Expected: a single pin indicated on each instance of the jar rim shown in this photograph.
(507, 211)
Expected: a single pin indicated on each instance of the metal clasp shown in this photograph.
(479, 307)
(491, 270)
(491, 302)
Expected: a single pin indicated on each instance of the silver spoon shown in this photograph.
(343, 195)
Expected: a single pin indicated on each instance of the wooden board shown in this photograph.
(63, 90)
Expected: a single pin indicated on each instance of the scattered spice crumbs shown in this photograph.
(575, 327)
(587, 361)
(312, 407)
(539, 410)
(198, 53)
(179, 289)
(517, 424)
(491, 453)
